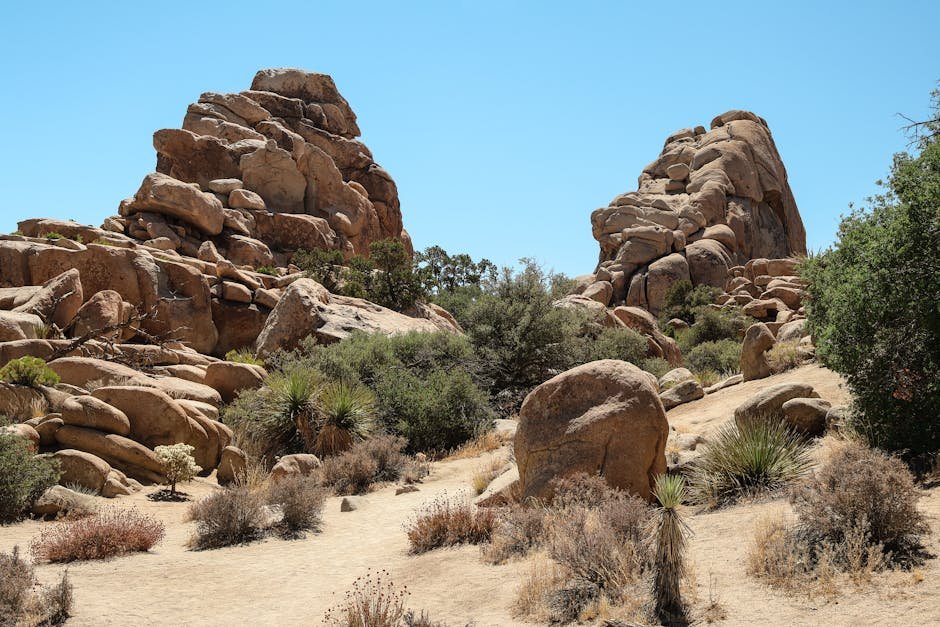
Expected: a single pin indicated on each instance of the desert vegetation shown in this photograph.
(103, 535)
(24, 602)
(23, 476)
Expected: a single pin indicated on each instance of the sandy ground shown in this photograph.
(279, 582)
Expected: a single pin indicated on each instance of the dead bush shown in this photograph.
(24, 602)
(375, 601)
(227, 517)
(300, 501)
(448, 522)
(518, 531)
(104, 535)
(368, 462)
(861, 490)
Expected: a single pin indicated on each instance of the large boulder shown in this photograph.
(757, 340)
(106, 309)
(19, 326)
(604, 418)
(232, 466)
(134, 459)
(91, 412)
(165, 195)
(807, 415)
(768, 403)
(57, 300)
(155, 418)
(229, 378)
(296, 465)
(81, 468)
(644, 323)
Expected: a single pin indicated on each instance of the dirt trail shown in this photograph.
(278, 582)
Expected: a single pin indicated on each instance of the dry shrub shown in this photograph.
(23, 602)
(519, 530)
(107, 534)
(865, 490)
(227, 517)
(785, 356)
(368, 462)
(449, 522)
(375, 601)
(484, 443)
(300, 501)
(544, 576)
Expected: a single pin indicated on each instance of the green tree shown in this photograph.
(874, 310)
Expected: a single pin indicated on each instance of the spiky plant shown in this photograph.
(669, 552)
(345, 413)
(758, 456)
(294, 395)
(244, 356)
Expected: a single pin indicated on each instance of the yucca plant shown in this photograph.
(345, 413)
(293, 396)
(668, 556)
(759, 456)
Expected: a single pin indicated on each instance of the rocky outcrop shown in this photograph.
(604, 417)
(711, 201)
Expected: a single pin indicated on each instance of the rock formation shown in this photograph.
(711, 201)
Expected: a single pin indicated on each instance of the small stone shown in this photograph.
(405, 489)
(678, 171)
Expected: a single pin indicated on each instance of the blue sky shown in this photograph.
(504, 123)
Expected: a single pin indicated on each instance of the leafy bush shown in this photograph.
(227, 517)
(268, 270)
(23, 476)
(104, 535)
(684, 302)
(448, 522)
(873, 309)
(712, 325)
(27, 370)
(345, 413)
(323, 266)
(366, 463)
(300, 501)
(723, 356)
(656, 366)
(22, 603)
(746, 460)
(617, 343)
(864, 489)
(178, 463)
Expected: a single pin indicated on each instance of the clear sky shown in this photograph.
(504, 123)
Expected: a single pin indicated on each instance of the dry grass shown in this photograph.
(708, 377)
(487, 473)
(485, 443)
(518, 531)
(449, 522)
(785, 356)
(227, 517)
(543, 577)
(256, 474)
(375, 601)
(102, 536)
(23, 603)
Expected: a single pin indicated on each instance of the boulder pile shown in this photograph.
(711, 201)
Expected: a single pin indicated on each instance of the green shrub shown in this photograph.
(52, 235)
(756, 457)
(656, 366)
(323, 266)
(27, 370)
(873, 309)
(436, 413)
(617, 343)
(712, 325)
(268, 270)
(723, 356)
(243, 356)
(684, 302)
(23, 476)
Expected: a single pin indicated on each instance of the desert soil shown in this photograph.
(278, 582)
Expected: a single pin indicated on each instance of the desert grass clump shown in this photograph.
(484, 443)
(228, 517)
(23, 476)
(519, 531)
(27, 370)
(485, 475)
(784, 356)
(178, 464)
(743, 461)
(366, 463)
(243, 356)
(22, 603)
(345, 413)
(375, 601)
(108, 534)
(449, 522)
(668, 555)
(300, 502)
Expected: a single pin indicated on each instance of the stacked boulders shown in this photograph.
(796, 404)
(202, 252)
(713, 200)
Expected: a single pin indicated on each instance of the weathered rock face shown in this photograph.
(604, 417)
(711, 201)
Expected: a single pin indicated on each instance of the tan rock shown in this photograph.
(768, 403)
(80, 468)
(134, 459)
(165, 195)
(229, 378)
(155, 418)
(232, 466)
(603, 418)
(92, 412)
(104, 309)
(245, 199)
(18, 326)
(757, 340)
(299, 464)
(806, 415)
